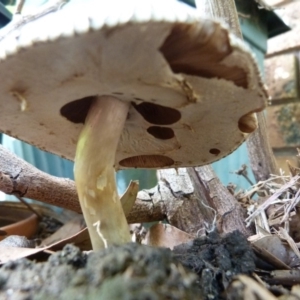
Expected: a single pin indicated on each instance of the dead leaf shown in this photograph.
(270, 258)
(80, 239)
(165, 235)
(14, 253)
(69, 229)
(129, 197)
(274, 245)
(293, 170)
(26, 227)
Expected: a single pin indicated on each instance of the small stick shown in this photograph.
(19, 178)
(44, 10)
(29, 206)
(19, 7)
(243, 172)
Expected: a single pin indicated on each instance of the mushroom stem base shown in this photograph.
(95, 174)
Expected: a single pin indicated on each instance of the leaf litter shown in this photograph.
(212, 266)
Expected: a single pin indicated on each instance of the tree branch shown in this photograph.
(40, 12)
(181, 196)
(262, 159)
(230, 214)
(20, 178)
(17, 177)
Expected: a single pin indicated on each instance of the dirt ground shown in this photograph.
(201, 269)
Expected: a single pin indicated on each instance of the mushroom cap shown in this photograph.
(193, 86)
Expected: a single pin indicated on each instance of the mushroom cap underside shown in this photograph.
(194, 88)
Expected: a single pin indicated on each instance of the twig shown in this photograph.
(292, 203)
(272, 198)
(19, 6)
(21, 179)
(242, 171)
(267, 186)
(29, 207)
(44, 10)
(244, 16)
(261, 221)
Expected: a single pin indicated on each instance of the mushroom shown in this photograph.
(143, 86)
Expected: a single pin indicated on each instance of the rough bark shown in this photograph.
(184, 207)
(187, 198)
(17, 177)
(194, 200)
(262, 159)
(20, 178)
(223, 10)
(230, 214)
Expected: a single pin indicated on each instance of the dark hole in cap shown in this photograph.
(157, 114)
(147, 161)
(162, 133)
(215, 151)
(76, 111)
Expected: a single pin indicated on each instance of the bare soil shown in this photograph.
(201, 269)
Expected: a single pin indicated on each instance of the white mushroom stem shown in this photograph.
(95, 174)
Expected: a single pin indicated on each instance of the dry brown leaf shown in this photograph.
(274, 245)
(80, 239)
(13, 253)
(26, 227)
(165, 235)
(293, 170)
(129, 196)
(270, 258)
(69, 229)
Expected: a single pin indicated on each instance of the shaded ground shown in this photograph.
(216, 261)
(131, 272)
